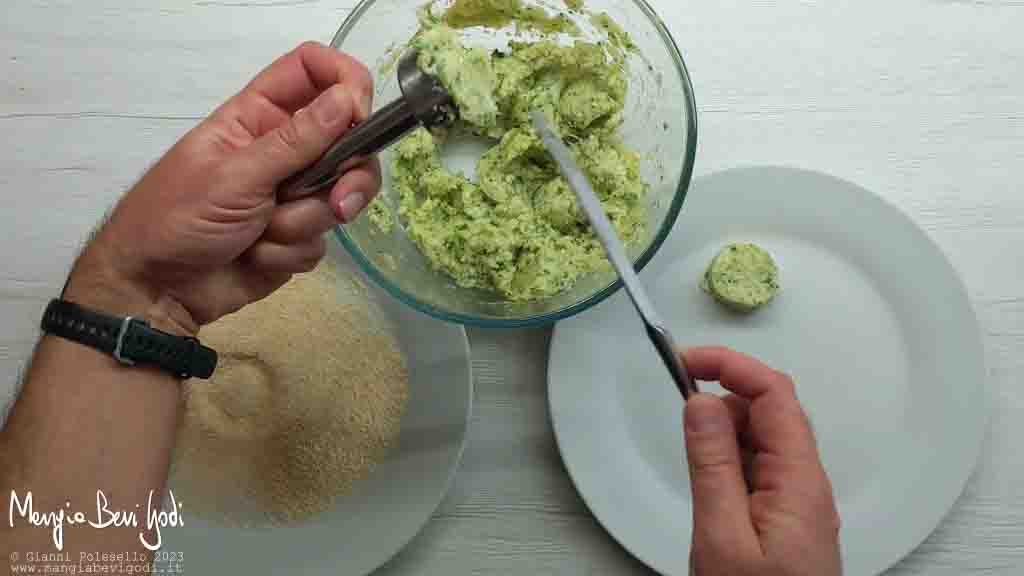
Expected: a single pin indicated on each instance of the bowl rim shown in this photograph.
(597, 297)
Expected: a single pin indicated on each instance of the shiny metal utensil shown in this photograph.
(656, 330)
(423, 102)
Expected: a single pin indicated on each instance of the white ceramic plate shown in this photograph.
(872, 322)
(385, 510)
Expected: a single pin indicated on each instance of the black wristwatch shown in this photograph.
(130, 340)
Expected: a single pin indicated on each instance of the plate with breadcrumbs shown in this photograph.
(328, 435)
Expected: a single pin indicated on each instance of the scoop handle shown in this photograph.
(380, 130)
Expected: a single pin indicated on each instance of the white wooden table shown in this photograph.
(922, 101)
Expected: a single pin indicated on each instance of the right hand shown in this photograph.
(786, 524)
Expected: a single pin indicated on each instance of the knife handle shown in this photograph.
(665, 345)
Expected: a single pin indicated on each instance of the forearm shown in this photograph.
(199, 237)
(83, 425)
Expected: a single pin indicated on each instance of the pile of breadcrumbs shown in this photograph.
(307, 397)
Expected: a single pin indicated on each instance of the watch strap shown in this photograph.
(129, 340)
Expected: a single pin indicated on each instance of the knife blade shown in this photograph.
(659, 334)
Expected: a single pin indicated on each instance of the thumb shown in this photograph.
(301, 140)
(721, 506)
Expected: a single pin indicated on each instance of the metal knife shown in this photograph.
(656, 330)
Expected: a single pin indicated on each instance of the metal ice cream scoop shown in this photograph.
(424, 102)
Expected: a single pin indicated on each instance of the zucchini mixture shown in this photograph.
(743, 277)
(516, 229)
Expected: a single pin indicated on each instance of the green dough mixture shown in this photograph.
(517, 229)
(743, 277)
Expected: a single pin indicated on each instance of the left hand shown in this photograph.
(202, 235)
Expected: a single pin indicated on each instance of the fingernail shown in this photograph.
(705, 415)
(351, 205)
(366, 104)
(328, 107)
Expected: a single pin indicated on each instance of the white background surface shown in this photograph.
(920, 101)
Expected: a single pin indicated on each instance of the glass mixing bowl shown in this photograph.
(660, 124)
